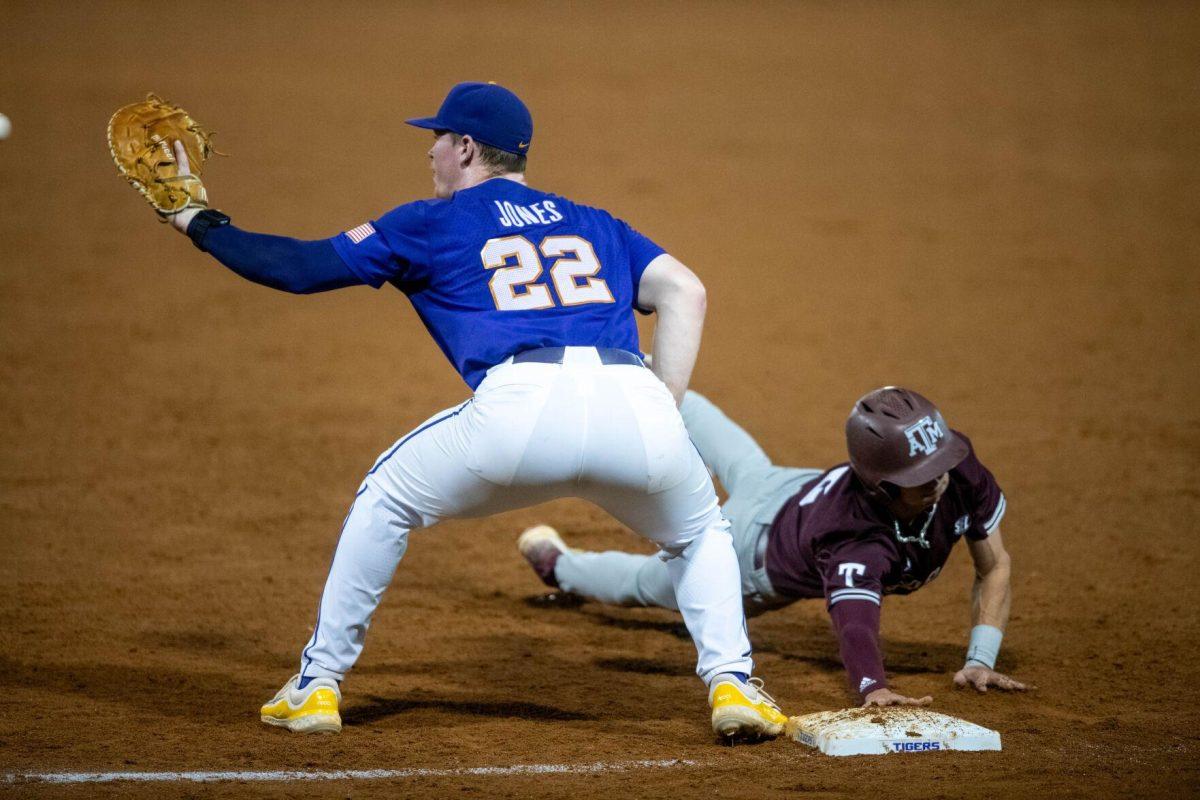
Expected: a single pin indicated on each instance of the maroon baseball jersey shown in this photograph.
(830, 540)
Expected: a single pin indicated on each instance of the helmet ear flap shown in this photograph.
(880, 490)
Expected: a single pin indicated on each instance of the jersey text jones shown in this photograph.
(515, 216)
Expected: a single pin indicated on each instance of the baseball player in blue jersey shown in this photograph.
(531, 298)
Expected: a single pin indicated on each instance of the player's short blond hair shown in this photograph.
(498, 162)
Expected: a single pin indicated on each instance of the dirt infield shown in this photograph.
(994, 204)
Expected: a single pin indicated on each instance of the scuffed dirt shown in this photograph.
(994, 204)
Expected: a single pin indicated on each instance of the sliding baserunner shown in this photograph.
(883, 523)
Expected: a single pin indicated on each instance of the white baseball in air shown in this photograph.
(5, 127)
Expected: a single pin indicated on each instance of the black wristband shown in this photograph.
(200, 224)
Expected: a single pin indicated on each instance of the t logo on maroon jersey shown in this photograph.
(923, 436)
(849, 569)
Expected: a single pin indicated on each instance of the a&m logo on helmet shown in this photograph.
(923, 436)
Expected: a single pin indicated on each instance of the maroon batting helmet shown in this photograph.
(897, 436)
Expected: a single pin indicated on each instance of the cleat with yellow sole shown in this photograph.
(743, 711)
(313, 709)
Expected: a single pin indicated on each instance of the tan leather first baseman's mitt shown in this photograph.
(141, 138)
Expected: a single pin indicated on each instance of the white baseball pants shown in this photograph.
(757, 490)
(533, 432)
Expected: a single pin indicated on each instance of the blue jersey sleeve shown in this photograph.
(641, 252)
(394, 247)
(289, 265)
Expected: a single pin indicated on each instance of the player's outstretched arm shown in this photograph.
(856, 623)
(677, 297)
(289, 265)
(991, 597)
(853, 570)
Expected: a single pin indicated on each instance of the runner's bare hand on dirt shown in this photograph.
(181, 220)
(980, 678)
(886, 697)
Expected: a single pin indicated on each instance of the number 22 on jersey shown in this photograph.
(513, 287)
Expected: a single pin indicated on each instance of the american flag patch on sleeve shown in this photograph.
(356, 235)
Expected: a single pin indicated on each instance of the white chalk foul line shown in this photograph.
(340, 774)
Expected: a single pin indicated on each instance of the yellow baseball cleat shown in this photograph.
(313, 709)
(742, 710)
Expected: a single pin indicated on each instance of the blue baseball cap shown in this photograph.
(487, 113)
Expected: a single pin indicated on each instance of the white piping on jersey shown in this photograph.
(838, 595)
(997, 515)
